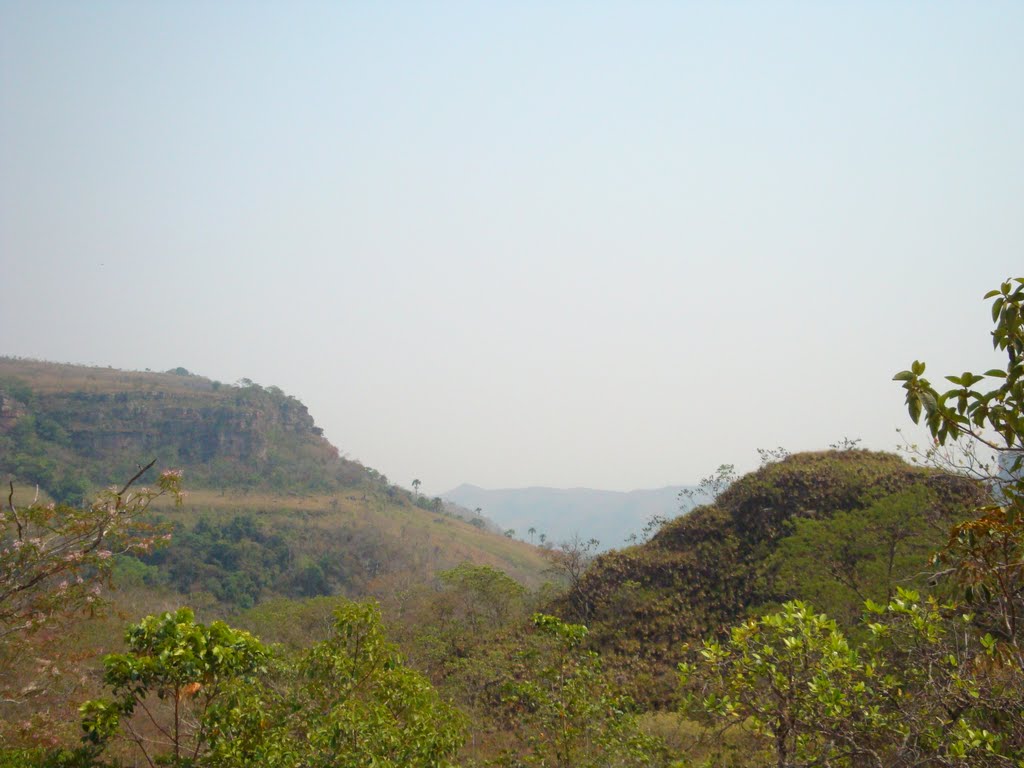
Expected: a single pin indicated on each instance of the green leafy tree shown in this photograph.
(794, 679)
(186, 694)
(986, 553)
(166, 689)
(992, 417)
(484, 597)
(352, 702)
(914, 695)
(563, 709)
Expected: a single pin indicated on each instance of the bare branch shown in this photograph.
(135, 477)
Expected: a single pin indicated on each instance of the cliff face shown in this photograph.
(103, 421)
(142, 422)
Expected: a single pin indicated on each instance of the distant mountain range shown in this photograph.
(561, 513)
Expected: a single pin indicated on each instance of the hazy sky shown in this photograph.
(601, 244)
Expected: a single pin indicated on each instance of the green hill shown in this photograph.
(272, 507)
(824, 513)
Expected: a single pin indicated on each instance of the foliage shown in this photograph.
(857, 555)
(960, 694)
(715, 565)
(564, 710)
(994, 418)
(569, 561)
(55, 560)
(187, 694)
(794, 679)
(168, 686)
(484, 596)
(359, 705)
(714, 485)
(237, 561)
(985, 554)
(916, 694)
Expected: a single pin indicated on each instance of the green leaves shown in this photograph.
(226, 703)
(991, 417)
(795, 678)
(563, 709)
(186, 666)
(916, 691)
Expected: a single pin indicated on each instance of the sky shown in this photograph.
(601, 244)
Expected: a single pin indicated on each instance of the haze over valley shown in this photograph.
(534, 385)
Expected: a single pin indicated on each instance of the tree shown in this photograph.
(351, 702)
(914, 695)
(986, 554)
(54, 557)
(168, 687)
(416, 486)
(192, 695)
(714, 485)
(563, 710)
(992, 418)
(794, 678)
(484, 596)
(569, 562)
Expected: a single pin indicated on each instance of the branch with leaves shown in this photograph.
(55, 557)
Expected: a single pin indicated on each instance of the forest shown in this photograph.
(251, 597)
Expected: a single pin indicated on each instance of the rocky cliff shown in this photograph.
(105, 422)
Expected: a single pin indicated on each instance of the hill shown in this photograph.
(70, 428)
(559, 514)
(273, 509)
(817, 526)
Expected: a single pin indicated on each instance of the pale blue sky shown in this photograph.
(602, 244)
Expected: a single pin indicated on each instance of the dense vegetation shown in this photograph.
(806, 526)
(704, 646)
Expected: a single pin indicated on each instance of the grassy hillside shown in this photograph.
(272, 508)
